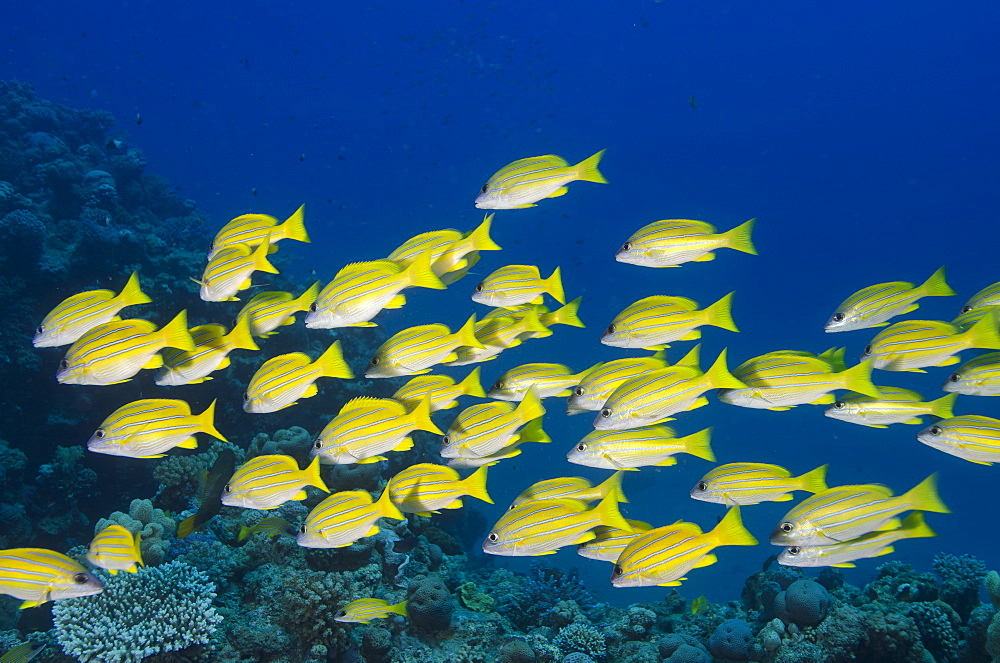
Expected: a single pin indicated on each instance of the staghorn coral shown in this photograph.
(581, 637)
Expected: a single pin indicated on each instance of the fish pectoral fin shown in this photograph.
(707, 560)
(310, 391)
(396, 302)
(189, 443)
(561, 191)
(156, 361)
(373, 459)
(362, 324)
(702, 258)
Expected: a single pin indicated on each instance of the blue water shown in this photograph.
(863, 138)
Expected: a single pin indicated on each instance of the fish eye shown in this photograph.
(339, 613)
(374, 361)
(485, 188)
(612, 329)
(581, 447)
(618, 570)
(955, 377)
(227, 488)
(41, 329)
(302, 529)
(701, 486)
(99, 433)
(312, 307)
(318, 444)
(787, 527)
(966, 309)
(934, 430)
(868, 349)
(479, 288)
(498, 385)
(578, 391)
(839, 405)
(838, 317)
(793, 550)
(493, 537)
(80, 578)
(445, 440)
(606, 413)
(64, 363)
(246, 396)
(627, 246)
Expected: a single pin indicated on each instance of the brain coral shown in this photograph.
(731, 640)
(805, 603)
(429, 605)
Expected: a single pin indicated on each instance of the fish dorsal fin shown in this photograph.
(388, 266)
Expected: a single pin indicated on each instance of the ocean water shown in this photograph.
(863, 137)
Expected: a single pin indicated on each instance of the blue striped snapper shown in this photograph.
(269, 526)
(115, 549)
(977, 377)
(672, 242)
(897, 406)
(284, 379)
(574, 488)
(655, 395)
(37, 575)
(509, 451)
(361, 290)
(256, 229)
(639, 447)
(362, 611)
(344, 517)
(971, 437)
(968, 318)
(524, 182)
(914, 344)
(540, 527)
(426, 488)
(115, 351)
(212, 345)
(547, 379)
(516, 285)
(782, 379)
(267, 482)
(266, 311)
(442, 390)
(230, 270)
(366, 427)
(150, 427)
(872, 306)
(597, 386)
(988, 296)
(655, 322)
(498, 333)
(414, 350)
(847, 512)
(482, 430)
(22, 653)
(843, 555)
(78, 314)
(609, 542)
(663, 556)
(568, 315)
(753, 483)
(452, 253)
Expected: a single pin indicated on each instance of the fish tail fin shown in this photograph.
(568, 314)
(814, 481)
(331, 363)
(466, 335)
(586, 170)
(739, 237)
(399, 608)
(206, 422)
(983, 334)
(720, 314)
(386, 507)
(699, 444)
(175, 333)
(420, 275)
(137, 547)
(530, 406)
(719, 376)
(186, 526)
(835, 358)
(936, 286)
(859, 378)
(553, 285)
(533, 432)
(240, 337)
(244, 533)
(260, 261)
(692, 359)
(924, 496)
(479, 239)
(731, 532)
(608, 514)
(421, 417)
(533, 323)
(294, 226)
(471, 385)
(306, 299)
(614, 484)
(941, 407)
(475, 485)
(313, 477)
(916, 527)
(132, 293)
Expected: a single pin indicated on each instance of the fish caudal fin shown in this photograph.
(915, 527)
(699, 444)
(132, 293)
(530, 406)
(306, 299)
(137, 548)
(983, 334)
(240, 337)
(731, 532)
(466, 335)
(399, 608)
(206, 422)
(475, 485)
(175, 333)
(471, 385)
(386, 508)
(567, 315)
(294, 227)
(936, 286)
(479, 239)
(553, 285)
(941, 407)
(814, 481)
(420, 417)
(531, 322)
(719, 377)
(859, 378)
(720, 314)
(186, 526)
(420, 275)
(244, 533)
(260, 261)
(533, 432)
(608, 514)
(924, 496)
(614, 483)
(586, 170)
(331, 363)
(739, 237)
(312, 475)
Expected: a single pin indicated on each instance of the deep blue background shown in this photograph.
(864, 138)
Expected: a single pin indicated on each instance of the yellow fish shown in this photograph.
(78, 314)
(37, 575)
(212, 346)
(509, 451)
(498, 333)
(427, 488)
(524, 182)
(115, 351)
(256, 229)
(366, 427)
(361, 290)
(344, 517)
(22, 653)
(229, 271)
(150, 427)
(672, 242)
(482, 430)
(284, 379)
(442, 390)
(639, 447)
(897, 406)
(266, 311)
(988, 296)
(267, 482)
(575, 488)
(662, 556)
(568, 314)
(362, 611)
(655, 322)
(547, 379)
(452, 253)
(872, 306)
(843, 555)
(976, 377)
(269, 526)
(414, 350)
(115, 549)
(597, 385)
(753, 483)
(914, 344)
(515, 285)
(609, 542)
(971, 437)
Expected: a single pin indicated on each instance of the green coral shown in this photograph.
(475, 600)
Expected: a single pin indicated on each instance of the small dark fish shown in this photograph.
(138, 118)
(768, 562)
(691, 102)
(211, 497)
(253, 191)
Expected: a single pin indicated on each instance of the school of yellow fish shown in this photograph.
(632, 399)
